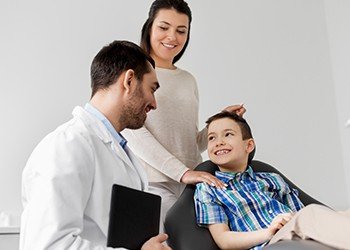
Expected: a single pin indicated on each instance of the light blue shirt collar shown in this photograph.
(95, 112)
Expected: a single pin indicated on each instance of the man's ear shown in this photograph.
(129, 78)
(250, 145)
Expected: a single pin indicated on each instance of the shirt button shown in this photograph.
(270, 211)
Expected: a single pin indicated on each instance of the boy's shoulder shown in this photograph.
(205, 190)
(273, 179)
(203, 186)
(269, 175)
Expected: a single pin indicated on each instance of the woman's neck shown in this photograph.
(164, 64)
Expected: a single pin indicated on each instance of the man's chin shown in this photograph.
(134, 126)
(137, 124)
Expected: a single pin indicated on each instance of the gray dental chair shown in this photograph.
(184, 233)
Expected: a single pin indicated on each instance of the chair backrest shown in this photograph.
(180, 222)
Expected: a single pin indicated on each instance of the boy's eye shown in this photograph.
(210, 138)
(229, 134)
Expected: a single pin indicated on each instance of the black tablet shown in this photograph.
(133, 218)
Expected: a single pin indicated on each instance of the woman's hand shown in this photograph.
(194, 177)
(238, 109)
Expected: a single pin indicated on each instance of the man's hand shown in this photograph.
(194, 177)
(238, 109)
(156, 243)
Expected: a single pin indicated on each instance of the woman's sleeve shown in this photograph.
(202, 140)
(202, 135)
(149, 149)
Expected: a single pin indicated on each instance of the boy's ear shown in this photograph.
(129, 77)
(250, 145)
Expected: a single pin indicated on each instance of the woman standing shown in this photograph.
(170, 144)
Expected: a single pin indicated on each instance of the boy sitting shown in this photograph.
(254, 205)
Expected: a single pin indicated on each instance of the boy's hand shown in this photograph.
(194, 177)
(238, 109)
(278, 222)
(156, 243)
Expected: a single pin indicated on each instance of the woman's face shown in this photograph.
(168, 36)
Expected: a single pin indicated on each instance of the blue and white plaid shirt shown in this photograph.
(250, 202)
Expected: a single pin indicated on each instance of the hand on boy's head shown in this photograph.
(238, 109)
(194, 177)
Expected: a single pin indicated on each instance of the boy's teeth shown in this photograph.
(221, 152)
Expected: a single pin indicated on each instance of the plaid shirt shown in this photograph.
(250, 202)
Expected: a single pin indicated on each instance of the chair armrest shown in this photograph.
(180, 224)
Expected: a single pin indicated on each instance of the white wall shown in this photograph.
(338, 24)
(275, 57)
(46, 51)
(283, 59)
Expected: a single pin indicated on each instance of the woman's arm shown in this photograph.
(147, 147)
(202, 140)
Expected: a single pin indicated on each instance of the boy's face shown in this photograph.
(226, 148)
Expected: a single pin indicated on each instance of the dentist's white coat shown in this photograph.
(66, 185)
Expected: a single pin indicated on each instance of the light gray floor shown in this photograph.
(9, 241)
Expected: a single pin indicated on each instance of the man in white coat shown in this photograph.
(67, 181)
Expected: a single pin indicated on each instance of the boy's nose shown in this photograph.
(220, 142)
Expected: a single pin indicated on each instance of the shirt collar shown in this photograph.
(95, 112)
(228, 176)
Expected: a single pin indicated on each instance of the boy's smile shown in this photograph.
(226, 148)
(222, 152)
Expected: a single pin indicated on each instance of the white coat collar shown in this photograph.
(102, 132)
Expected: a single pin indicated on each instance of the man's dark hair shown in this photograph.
(115, 58)
(180, 6)
(242, 123)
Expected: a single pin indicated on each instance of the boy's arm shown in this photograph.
(226, 239)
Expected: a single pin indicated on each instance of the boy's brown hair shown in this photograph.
(241, 122)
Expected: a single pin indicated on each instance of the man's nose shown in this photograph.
(154, 104)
